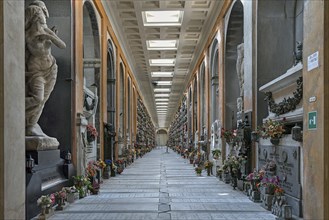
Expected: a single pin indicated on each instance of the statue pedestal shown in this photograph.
(47, 177)
(37, 143)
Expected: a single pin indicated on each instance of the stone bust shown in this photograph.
(240, 67)
(40, 65)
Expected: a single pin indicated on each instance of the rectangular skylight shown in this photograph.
(162, 18)
(162, 95)
(162, 44)
(162, 100)
(162, 90)
(162, 74)
(162, 62)
(164, 83)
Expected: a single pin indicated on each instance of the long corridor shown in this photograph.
(164, 186)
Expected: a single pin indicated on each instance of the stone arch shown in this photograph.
(92, 71)
(121, 101)
(111, 101)
(129, 111)
(213, 81)
(234, 37)
(162, 137)
(203, 107)
(195, 106)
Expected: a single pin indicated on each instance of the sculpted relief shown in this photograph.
(240, 67)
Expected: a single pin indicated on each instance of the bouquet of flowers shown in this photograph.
(279, 191)
(60, 194)
(91, 169)
(45, 201)
(91, 133)
(208, 164)
(270, 183)
(271, 129)
(229, 135)
(100, 164)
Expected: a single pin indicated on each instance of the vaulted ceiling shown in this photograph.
(138, 26)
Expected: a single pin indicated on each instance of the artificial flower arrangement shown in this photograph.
(60, 194)
(255, 176)
(198, 170)
(271, 129)
(100, 164)
(270, 183)
(91, 169)
(229, 135)
(208, 164)
(233, 163)
(80, 181)
(46, 201)
(279, 191)
(216, 153)
(91, 133)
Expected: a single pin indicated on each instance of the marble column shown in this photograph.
(12, 110)
(316, 140)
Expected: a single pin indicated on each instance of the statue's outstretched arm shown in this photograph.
(55, 39)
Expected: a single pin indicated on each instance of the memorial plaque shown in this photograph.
(287, 159)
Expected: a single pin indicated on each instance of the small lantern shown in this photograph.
(68, 157)
(287, 212)
(29, 164)
(297, 134)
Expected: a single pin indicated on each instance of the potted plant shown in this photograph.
(216, 154)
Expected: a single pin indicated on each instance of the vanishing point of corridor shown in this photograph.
(164, 186)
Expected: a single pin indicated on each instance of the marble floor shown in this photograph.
(164, 186)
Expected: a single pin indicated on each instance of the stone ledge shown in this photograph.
(40, 143)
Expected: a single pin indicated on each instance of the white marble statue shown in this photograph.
(41, 68)
(240, 67)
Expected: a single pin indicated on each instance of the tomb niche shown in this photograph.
(88, 120)
(279, 81)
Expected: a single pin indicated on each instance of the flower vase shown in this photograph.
(60, 203)
(70, 197)
(44, 210)
(90, 137)
(254, 136)
(275, 141)
(231, 147)
(208, 171)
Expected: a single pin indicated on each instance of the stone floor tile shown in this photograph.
(164, 186)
